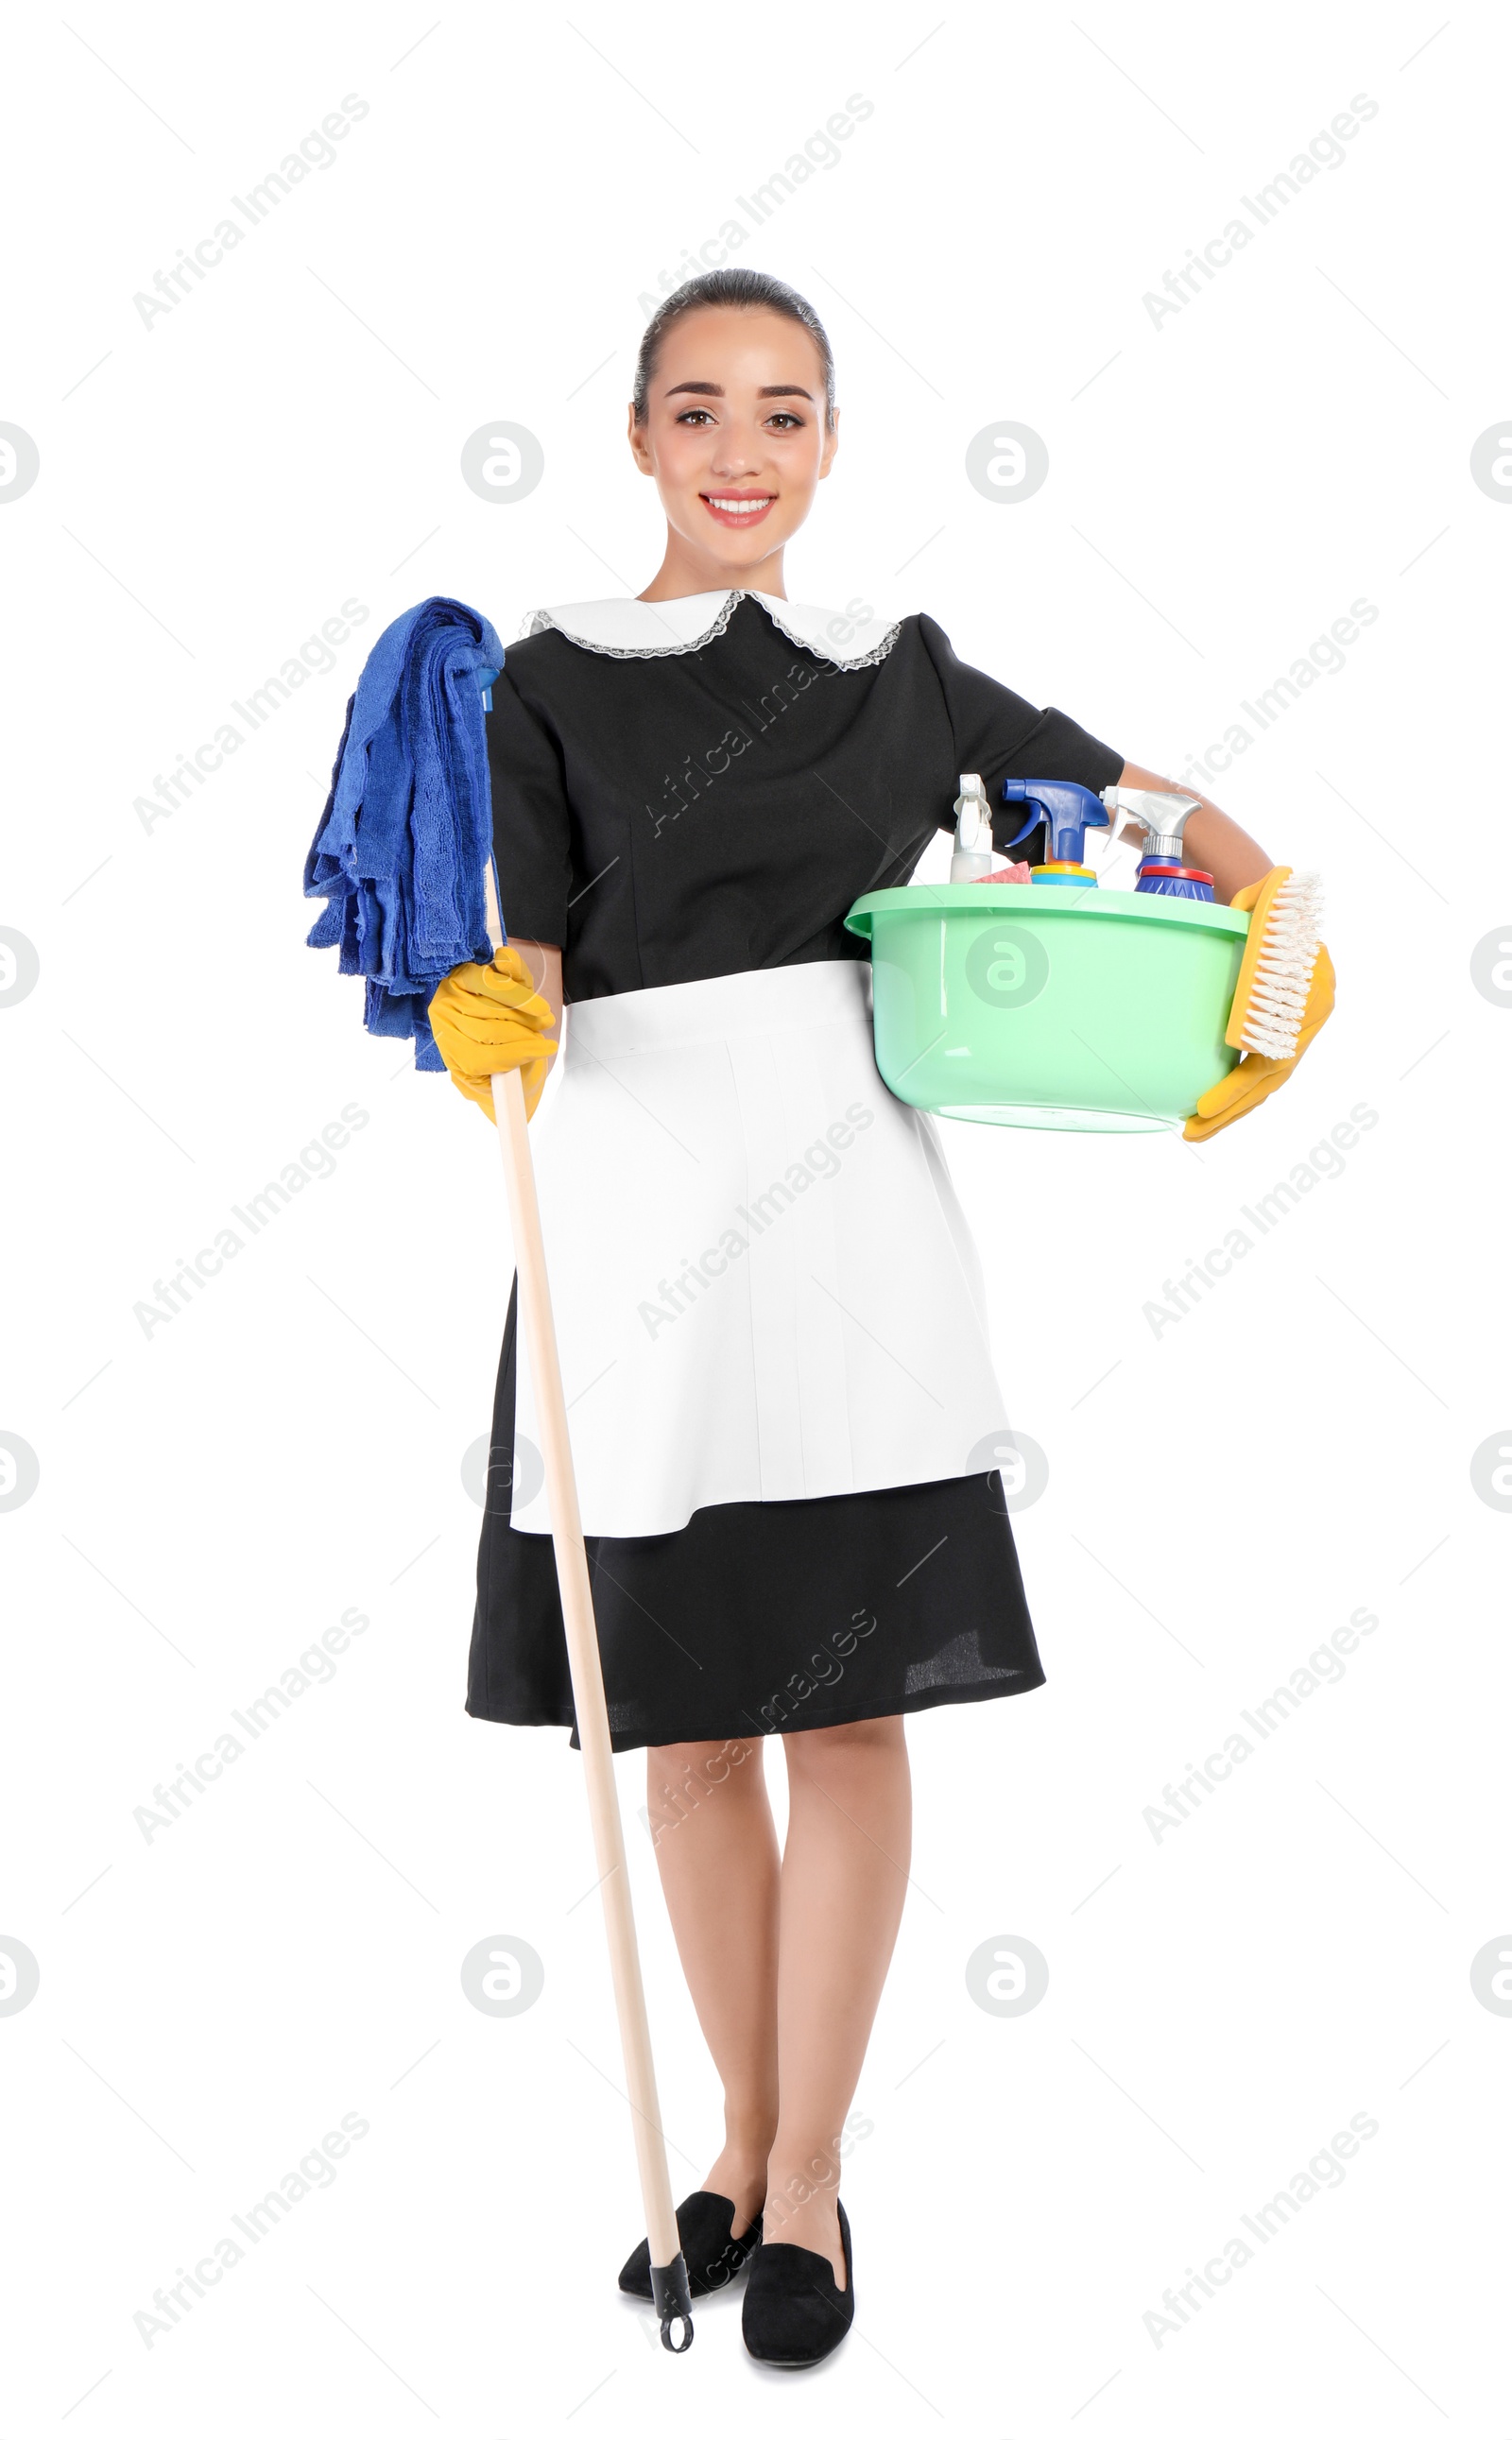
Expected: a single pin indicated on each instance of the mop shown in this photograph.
(404, 857)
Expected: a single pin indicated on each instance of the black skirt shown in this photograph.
(759, 1616)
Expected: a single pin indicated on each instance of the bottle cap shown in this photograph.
(1058, 874)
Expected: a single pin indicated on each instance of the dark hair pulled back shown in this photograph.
(753, 290)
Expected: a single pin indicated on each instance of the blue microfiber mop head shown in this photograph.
(407, 833)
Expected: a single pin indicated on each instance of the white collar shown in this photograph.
(630, 630)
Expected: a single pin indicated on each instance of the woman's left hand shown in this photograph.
(488, 1019)
(1245, 1087)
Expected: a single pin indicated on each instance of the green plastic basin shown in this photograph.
(1092, 1010)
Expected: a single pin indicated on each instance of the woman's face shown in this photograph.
(735, 432)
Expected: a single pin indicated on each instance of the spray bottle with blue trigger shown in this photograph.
(1068, 812)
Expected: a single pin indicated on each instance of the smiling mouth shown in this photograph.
(738, 508)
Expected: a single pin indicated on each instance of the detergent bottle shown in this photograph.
(1163, 814)
(1068, 812)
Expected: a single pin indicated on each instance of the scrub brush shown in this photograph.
(1270, 996)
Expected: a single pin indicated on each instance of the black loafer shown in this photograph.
(794, 2314)
(711, 2255)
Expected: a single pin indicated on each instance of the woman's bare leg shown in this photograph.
(716, 1849)
(845, 1877)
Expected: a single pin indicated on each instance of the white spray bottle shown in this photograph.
(973, 851)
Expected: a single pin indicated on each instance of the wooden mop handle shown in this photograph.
(588, 1686)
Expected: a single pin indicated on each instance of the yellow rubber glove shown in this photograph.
(487, 1019)
(1245, 1087)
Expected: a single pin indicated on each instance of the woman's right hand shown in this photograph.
(488, 1019)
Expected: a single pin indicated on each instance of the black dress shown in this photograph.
(666, 815)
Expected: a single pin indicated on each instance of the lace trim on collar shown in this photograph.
(545, 619)
(860, 661)
(574, 620)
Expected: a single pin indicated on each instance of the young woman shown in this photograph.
(783, 1404)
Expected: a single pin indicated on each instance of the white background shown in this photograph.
(1223, 1496)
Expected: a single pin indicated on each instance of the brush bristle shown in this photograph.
(1284, 967)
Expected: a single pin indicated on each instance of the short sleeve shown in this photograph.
(1004, 737)
(532, 844)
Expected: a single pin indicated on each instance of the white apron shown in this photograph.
(764, 1286)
